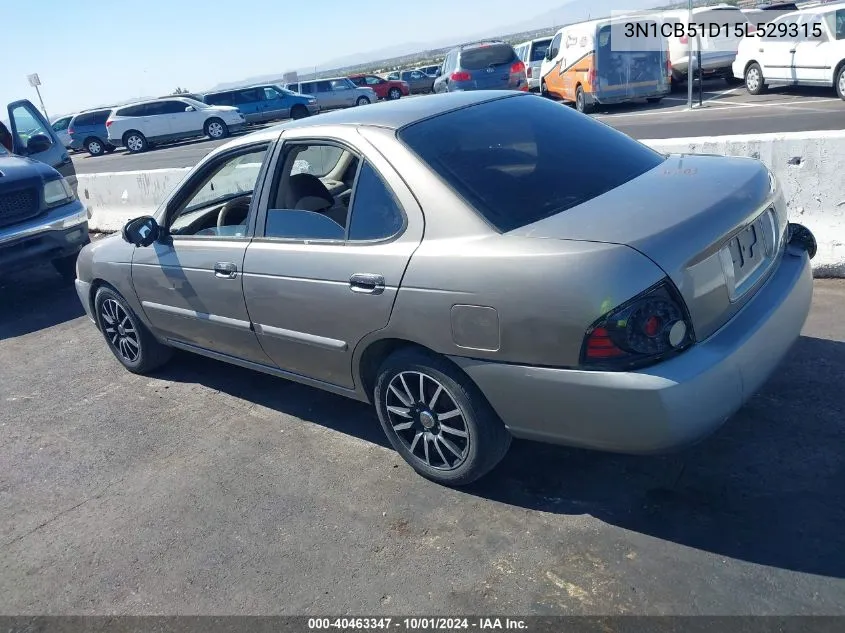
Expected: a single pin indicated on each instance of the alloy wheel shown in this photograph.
(120, 330)
(134, 143)
(215, 129)
(94, 147)
(842, 83)
(427, 420)
(752, 80)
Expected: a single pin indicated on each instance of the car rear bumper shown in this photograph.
(664, 407)
(60, 233)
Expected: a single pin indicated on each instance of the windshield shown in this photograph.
(521, 159)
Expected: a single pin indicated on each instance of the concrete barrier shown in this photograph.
(809, 166)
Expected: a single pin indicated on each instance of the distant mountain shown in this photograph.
(408, 52)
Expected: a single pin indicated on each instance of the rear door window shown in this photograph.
(543, 161)
(84, 119)
(101, 117)
(485, 56)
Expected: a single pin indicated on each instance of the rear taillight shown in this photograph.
(648, 328)
(518, 67)
(71, 131)
(460, 76)
(109, 122)
(592, 76)
(668, 65)
(528, 72)
(684, 39)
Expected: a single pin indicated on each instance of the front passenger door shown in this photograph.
(26, 122)
(190, 281)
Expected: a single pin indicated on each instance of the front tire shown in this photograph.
(755, 84)
(299, 111)
(126, 336)
(66, 267)
(437, 419)
(216, 129)
(362, 101)
(135, 142)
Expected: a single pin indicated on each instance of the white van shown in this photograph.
(583, 66)
(801, 48)
(717, 53)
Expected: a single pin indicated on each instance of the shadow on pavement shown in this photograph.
(767, 488)
(36, 299)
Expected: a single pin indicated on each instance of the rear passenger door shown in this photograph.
(250, 102)
(316, 282)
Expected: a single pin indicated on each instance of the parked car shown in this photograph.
(335, 92)
(582, 66)
(532, 54)
(418, 82)
(429, 70)
(391, 89)
(489, 65)
(59, 126)
(717, 53)
(815, 58)
(480, 266)
(41, 218)
(265, 102)
(139, 125)
(88, 131)
(196, 96)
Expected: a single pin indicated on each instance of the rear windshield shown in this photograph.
(520, 159)
(539, 51)
(484, 56)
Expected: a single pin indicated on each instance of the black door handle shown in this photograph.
(366, 283)
(225, 270)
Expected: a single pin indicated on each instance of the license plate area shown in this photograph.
(749, 254)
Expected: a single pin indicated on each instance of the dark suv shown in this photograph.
(489, 65)
(88, 131)
(41, 218)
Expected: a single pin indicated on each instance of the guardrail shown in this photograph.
(809, 166)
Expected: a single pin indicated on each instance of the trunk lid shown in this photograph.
(714, 224)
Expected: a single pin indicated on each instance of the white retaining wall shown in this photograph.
(809, 165)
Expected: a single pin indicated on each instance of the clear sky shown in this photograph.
(90, 52)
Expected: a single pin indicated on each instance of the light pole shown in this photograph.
(35, 81)
(689, 56)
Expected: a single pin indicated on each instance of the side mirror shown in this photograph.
(38, 143)
(189, 109)
(141, 231)
(548, 54)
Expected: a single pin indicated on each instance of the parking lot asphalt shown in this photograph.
(210, 489)
(724, 111)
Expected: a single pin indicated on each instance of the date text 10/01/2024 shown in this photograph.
(723, 29)
(416, 624)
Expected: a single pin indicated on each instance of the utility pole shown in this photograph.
(35, 81)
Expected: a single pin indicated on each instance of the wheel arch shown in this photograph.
(374, 353)
(836, 70)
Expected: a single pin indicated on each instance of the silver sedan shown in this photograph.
(478, 266)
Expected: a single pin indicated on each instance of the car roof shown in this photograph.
(391, 115)
(481, 44)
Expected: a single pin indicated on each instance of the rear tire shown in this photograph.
(95, 147)
(755, 84)
(126, 336)
(135, 142)
(394, 94)
(654, 99)
(453, 436)
(216, 129)
(581, 101)
(362, 101)
(840, 82)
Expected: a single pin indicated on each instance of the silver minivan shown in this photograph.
(334, 92)
(532, 53)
